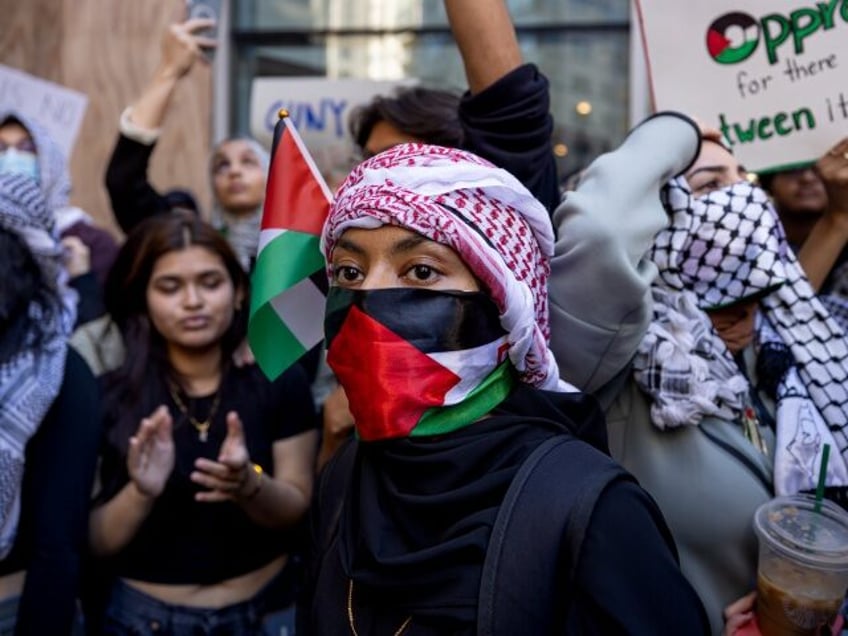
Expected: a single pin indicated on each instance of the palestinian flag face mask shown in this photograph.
(416, 362)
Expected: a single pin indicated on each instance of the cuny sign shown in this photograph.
(770, 75)
(320, 108)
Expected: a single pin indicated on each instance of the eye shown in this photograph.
(167, 287)
(220, 166)
(706, 188)
(421, 273)
(212, 281)
(346, 274)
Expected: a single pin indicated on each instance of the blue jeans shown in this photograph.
(130, 612)
(9, 616)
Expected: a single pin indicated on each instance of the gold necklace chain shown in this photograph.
(400, 630)
(202, 428)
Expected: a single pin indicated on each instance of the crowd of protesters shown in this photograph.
(534, 410)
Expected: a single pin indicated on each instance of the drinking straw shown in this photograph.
(822, 475)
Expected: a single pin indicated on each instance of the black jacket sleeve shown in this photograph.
(628, 579)
(61, 460)
(90, 305)
(133, 197)
(509, 123)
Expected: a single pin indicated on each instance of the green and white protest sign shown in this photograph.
(772, 75)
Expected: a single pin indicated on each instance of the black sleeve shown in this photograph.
(628, 579)
(60, 470)
(90, 305)
(293, 406)
(509, 123)
(133, 198)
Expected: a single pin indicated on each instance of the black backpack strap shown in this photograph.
(535, 544)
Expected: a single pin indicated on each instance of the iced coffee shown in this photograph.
(803, 566)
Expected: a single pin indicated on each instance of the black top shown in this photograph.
(509, 123)
(417, 517)
(61, 459)
(185, 541)
(133, 197)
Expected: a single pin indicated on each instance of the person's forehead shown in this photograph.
(385, 135)
(14, 130)
(235, 147)
(713, 154)
(188, 260)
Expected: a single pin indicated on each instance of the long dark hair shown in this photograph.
(146, 360)
(23, 285)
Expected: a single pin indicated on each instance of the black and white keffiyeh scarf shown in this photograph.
(30, 378)
(54, 177)
(719, 249)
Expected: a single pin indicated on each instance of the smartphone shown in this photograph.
(208, 9)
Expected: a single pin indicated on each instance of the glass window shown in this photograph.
(581, 45)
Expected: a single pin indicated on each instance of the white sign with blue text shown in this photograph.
(772, 75)
(319, 108)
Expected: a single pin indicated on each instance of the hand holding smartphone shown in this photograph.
(207, 10)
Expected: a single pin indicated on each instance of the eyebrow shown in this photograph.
(180, 277)
(718, 168)
(404, 245)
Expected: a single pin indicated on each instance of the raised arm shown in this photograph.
(133, 197)
(181, 47)
(486, 39)
(506, 113)
(829, 235)
(600, 284)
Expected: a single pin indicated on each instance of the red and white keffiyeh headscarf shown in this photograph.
(501, 232)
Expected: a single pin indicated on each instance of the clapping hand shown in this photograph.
(226, 479)
(151, 456)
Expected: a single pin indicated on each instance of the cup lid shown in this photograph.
(793, 526)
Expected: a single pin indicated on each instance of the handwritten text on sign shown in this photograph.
(58, 109)
(772, 75)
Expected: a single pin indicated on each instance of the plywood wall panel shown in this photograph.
(108, 50)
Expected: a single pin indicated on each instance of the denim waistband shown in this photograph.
(130, 611)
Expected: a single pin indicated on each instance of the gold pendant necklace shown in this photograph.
(400, 630)
(202, 428)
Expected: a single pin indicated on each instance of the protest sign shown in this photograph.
(319, 109)
(58, 109)
(772, 75)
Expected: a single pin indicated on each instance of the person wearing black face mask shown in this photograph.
(436, 326)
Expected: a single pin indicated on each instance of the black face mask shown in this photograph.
(406, 356)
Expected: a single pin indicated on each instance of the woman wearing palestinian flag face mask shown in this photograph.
(437, 329)
(739, 383)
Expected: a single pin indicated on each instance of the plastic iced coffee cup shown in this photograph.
(803, 565)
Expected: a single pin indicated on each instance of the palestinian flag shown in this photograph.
(287, 300)
(419, 362)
